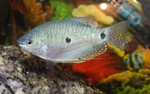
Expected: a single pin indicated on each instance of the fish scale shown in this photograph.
(71, 40)
(73, 32)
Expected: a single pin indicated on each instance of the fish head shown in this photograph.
(31, 42)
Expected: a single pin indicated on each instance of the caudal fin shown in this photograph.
(116, 34)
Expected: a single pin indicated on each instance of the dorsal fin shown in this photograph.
(116, 34)
(91, 21)
(88, 21)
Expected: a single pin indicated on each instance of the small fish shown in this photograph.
(134, 61)
(72, 40)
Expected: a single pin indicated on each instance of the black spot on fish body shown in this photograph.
(68, 40)
(102, 35)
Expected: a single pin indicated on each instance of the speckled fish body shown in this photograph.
(71, 40)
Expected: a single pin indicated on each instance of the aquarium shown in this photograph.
(104, 42)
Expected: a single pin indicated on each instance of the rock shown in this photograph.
(22, 73)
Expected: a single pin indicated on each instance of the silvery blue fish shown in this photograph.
(73, 39)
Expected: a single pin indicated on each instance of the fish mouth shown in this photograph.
(21, 44)
(19, 41)
(24, 47)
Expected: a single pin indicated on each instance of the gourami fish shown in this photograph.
(73, 39)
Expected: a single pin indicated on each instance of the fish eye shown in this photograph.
(30, 42)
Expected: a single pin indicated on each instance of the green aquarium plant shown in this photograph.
(127, 82)
(61, 9)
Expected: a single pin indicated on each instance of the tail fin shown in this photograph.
(116, 34)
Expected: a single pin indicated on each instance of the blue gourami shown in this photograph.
(73, 39)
